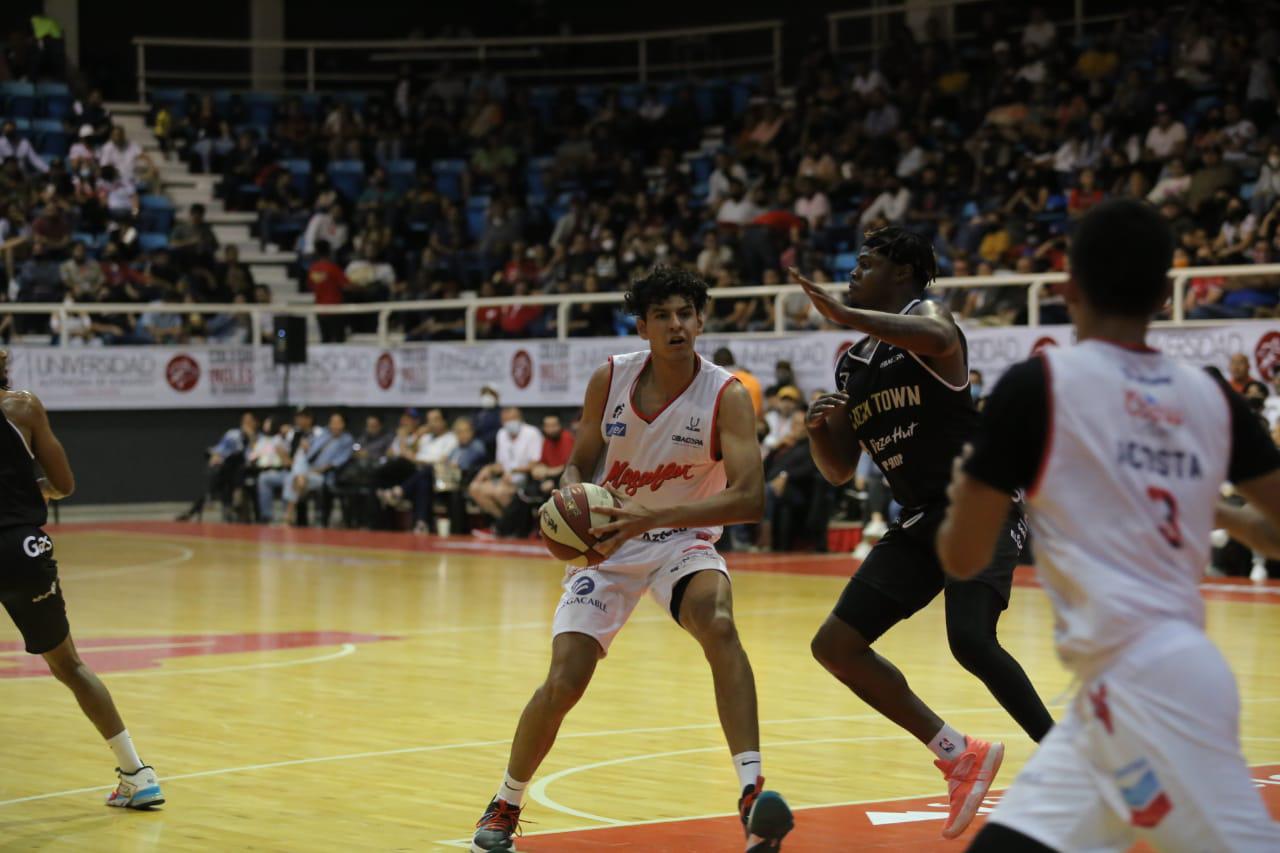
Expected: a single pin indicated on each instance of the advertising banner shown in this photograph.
(527, 373)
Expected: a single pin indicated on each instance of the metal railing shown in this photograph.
(880, 12)
(563, 304)
(653, 54)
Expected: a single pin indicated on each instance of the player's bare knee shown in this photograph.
(717, 630)
(564, 687)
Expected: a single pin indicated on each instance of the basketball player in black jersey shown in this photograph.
(29, 585)
(903, 397)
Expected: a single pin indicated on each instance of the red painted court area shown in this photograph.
(120, 654)
(913, 824)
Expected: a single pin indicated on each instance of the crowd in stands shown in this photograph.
(447, 184)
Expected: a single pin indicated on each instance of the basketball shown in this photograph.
(566, 520)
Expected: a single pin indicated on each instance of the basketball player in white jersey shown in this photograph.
(674, 437)
(29, 585)
(1122, 452)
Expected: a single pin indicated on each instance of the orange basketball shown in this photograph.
(566, 521)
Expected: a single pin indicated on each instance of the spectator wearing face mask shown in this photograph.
(488, 419)
(519, 449)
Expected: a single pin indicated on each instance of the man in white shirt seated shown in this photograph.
(126, 155)
(519, 449)
(19, 147)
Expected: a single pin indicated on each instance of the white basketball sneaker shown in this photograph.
(137, 790)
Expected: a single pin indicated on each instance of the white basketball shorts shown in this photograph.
(598, 600)
(1150, 749)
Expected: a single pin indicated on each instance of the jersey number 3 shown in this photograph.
(1169, 527)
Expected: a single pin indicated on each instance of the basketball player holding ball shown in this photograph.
(673, 436)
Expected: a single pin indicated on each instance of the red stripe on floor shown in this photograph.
(911, 824)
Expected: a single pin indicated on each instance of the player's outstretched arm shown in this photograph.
(928, 331)
(588, 444)
(1257, 525)
(26, 411)
(742, 501)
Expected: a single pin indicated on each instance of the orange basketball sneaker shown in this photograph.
(969, 777)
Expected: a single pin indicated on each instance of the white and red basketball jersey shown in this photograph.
(669, 458)
(1137, 450)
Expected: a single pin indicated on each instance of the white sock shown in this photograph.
(749, 766)
(947, 744)
(126, 756)
(512, 791)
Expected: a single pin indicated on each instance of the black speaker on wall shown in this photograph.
(290, 345)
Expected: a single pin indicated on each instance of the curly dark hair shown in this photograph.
(907, 248)
(662, 282)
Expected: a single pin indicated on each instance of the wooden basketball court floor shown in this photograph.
(316, 690)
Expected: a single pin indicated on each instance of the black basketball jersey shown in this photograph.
(910, 421)
(21, 503)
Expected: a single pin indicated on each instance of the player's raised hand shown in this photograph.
(828, 306)
(824, 407)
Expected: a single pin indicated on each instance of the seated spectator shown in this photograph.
(20, 149)
(225, 461)
(316, 464)
(1173, 184)
(519, 446)
(128, 158)
(891, 204)
(737, 209)
(193, 242)
(328, 224)
(81, 275)
(787, 401)
(1167, 137)
(1084, 196)
(557, 447)
(465, 461)
(1240, 379)
(435, 444)
(1266, 192)
(274, 479)
(790, 481)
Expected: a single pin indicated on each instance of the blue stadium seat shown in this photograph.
(357, 100)
(708, 97)
(53, 100)
(52, 143)
(477, 215)
(150, 241)
(739, 97)
(300, 173)
(448, 175)
(845, 263)
(173, 100)
(401, 174)
(261, 108)
(629, 96)
(590, 98)
(17, 99)
(700, 168)
(222, 103)
(46, 125)
(347, 177)
(156, 213)
(20, 124)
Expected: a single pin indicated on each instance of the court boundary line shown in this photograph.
(320, 759)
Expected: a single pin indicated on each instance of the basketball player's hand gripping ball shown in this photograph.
(630, 519)
(567, 521)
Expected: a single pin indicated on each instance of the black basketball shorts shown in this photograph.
(30, 589)
(904, 573)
